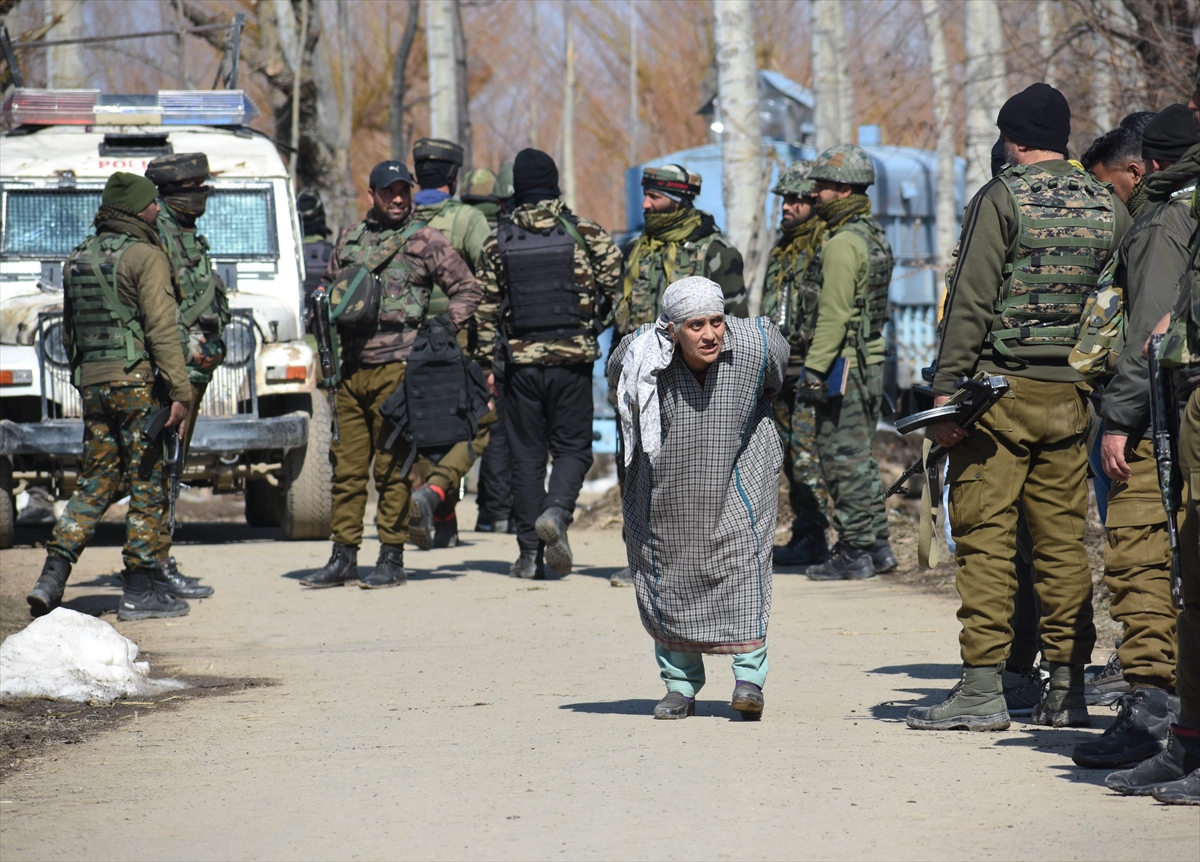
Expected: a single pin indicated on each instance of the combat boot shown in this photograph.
(528, 566)
(552, 529)
(141, 600)
(1179, 759)
(342, 567)
(169, 580)
(445, 531)
(1185, 791)
(747, 700)
(421, 527)
(847, 564)
(1142, 724)
(1101, 689)
(47, 593)
(807, 548)
(976, 704)
(883, 557)
(388, 571)
(1062, 703)
(1022, 692)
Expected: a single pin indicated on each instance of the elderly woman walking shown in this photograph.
(702, 461)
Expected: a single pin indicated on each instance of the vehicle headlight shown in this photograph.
(239, 342)
(52, 345)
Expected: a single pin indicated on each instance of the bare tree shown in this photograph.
(462, 98)
(986, 87)
(443, 88)
(400, 82)
(940, 73)
(568, 112)
(831, 78)
(64, 64)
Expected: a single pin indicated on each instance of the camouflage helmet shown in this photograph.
(438, 150)
(479, 185)
(504, 182)
(844, 163)
(178, 168)
(794, 180)
(674, 181)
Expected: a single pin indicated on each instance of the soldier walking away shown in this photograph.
(393, 260)
(547, 276)
(203, 312)
(120, 312)
(678, 240)
(1034, 242)
(318, 249)
(1137, 557)
(851, 272)
(434, 520)
(790, 299)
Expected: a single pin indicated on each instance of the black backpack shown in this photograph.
(442, 399)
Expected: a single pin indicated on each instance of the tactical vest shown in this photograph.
(544, 299)
(403, 302)
(655, 273)
(799, 293)
(316, 261)
(103, 328)
(205, 305)
(1065, 230)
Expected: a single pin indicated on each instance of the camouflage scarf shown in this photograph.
(1160, 185)
(837, 212)
(660, 243)
(1138, 198)
(798, 240)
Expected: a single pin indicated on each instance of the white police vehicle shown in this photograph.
(260, 429)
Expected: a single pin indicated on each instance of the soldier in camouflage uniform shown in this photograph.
(554, 272)
(436, 163)
(120, 327)
(679, 240)
(850, 273)
(318, 248)
(790, 299)
(1034, 242)
(203, 313)
(373, 365)
(479, 190)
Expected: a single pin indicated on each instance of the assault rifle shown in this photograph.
(172, 458)
(326, 353)
(1164, 425)
(973, 397)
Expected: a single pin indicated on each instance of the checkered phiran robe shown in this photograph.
(700, 520)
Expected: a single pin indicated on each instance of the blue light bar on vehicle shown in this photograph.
(167, 108)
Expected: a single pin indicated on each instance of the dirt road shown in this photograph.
(468, 715)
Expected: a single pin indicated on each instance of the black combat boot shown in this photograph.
(169, 580)
(388, 571)
(847, 564)
(883, 557)
(1062, 703)
(528, 566)
(675, 705)
(1180, 758)
(1101, 689)
(47, 593)
(747, 700)
(421, 528)
(552, 529)
(806, 548)
(1185, 791)
(141, 600)
(342, 567)
(1138, 733)
(445, 531)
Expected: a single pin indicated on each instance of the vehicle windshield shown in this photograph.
(239, 223)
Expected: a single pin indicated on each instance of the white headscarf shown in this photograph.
(650, 353)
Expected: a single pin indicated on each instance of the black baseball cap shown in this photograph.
(386, 173)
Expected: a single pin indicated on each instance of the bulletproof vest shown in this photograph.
(544, 299)
(205, 306)
(316, 261)
(102, 327)
(872, 303)
(656, 269)
(1065, 230)
(799, 292)
(403, 302)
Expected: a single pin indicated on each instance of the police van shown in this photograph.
(261, 429)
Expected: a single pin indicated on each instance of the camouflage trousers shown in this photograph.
(163, 550)
(845, 429)
(797, 426)
(114, 416)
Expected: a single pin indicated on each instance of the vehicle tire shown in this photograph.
(8, 506)
(307, 503)
(262, 504)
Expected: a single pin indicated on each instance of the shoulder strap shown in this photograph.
(573, 232)
(389, 247)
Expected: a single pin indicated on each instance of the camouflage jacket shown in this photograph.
(597, 270)
(705, 252)
(426, 259)
(788, 297)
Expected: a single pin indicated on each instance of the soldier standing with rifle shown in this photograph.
(380, 280)
(203, 313)
(1034, 241)
(119, 323)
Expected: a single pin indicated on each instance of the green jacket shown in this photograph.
(988, 244)
(845, 267)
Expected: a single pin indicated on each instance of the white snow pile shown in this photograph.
(67, 655)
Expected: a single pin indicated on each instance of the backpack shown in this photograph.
(1101, 327)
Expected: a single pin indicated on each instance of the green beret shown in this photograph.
(129, 191)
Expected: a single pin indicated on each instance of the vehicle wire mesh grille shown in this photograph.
(231, 392)
(60, 398)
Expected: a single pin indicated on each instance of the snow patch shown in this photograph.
(67, 655)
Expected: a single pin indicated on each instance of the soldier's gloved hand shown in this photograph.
(811, 388)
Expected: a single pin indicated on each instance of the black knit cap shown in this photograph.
(1170, 134)
(1037, 117)
(533, 170)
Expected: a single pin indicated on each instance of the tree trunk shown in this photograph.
(986, 87)
(443, 89)
(531, 72)
(568, 114)
(741, 136)
(942, 107)
(633, 85)
(64, 64)
(186, 82)
(831, 77)
(400, 83)
(1045, 23)
(462, 93)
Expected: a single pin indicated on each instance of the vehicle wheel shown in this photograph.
(262, 504)
(307, 503)
(8, 506)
